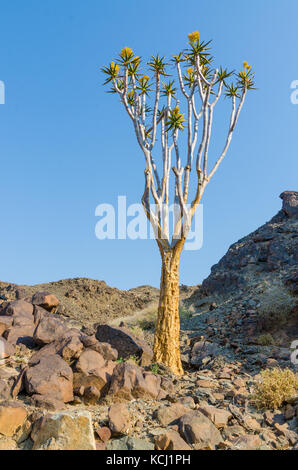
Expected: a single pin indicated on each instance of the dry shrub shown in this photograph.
(266, 340)
(137, 331)
(274, 387)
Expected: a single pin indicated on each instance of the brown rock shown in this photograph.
(45, 300)
(128, 381)
(170, 440)
(187, 401)
(246, 442)
(51, 377)
(90, 362)
(282, 430)
(105, 349)
(205, 384)
(91, 395)
(119, 419)
(197, 429)
(47, 402)
(21, 335)
(19, 308)
(218, 416)
(12, 418)
(125, 343)
(251, 424)
(104, 434)
(70, 348)
(93, 371)
(49, 330)
(166, 415)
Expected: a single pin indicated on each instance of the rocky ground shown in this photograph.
(70, 382)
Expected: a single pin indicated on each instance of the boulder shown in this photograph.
(68, 430)
(19, 308)
(47, 402)
(167, 415)
(51, 377)
(290, 203)
(202, 350)
(93, 371)
(105, 349)
(49, 329)
(129, 381)
(125, 343)
(218, 416)
(45, 300)
(197, 429)
(91, 395)
(171, 440)
(68, 348)
(21, 335)
(119, 419)
(12, 418)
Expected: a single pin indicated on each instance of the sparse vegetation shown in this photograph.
(274, 387)
(184, 313)
(266, 340)
(155, 369)
(275, 309)
(137, 331)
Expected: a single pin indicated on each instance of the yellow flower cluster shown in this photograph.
(126, 52)
(190, 71)
(176, 111)
(145, 77)
(195, 36)
(130, 94)
(246, 65)
(114, 67)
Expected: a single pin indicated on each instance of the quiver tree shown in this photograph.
(153, 103)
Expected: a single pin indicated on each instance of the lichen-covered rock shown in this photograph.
(12, 417)
(68, 430)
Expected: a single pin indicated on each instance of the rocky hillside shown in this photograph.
(87, 300)
(252, 291)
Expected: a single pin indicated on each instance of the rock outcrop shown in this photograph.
(269, 252)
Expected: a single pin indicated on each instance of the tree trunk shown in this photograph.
(167, 333)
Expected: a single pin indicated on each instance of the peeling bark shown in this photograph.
(167, 332)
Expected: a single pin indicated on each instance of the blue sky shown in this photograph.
(65, 144)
